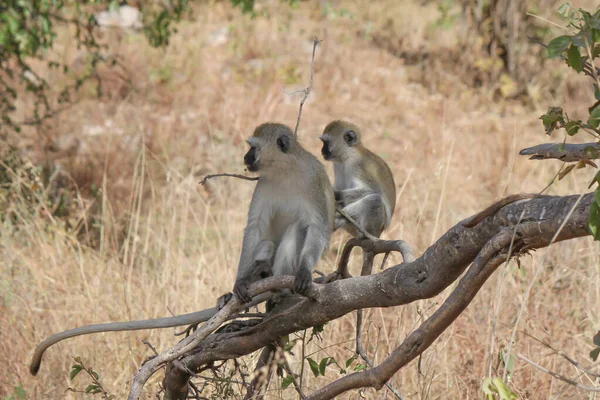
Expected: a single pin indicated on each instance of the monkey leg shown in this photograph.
(367, 267)
(368, 212)
(262, 267)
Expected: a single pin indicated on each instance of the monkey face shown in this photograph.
(339, 138)
(270, 146)
(326, 150)
(251, 159)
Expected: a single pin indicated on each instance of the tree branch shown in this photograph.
(566, 152)
(439, 266)
(307, 91)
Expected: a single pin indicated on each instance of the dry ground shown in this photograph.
(452, 151)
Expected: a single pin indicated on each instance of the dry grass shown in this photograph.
(196, 103)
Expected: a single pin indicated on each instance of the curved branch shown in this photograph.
(439, 266)
(566, 152)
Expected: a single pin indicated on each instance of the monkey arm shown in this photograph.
(349, 196)
(316, 240)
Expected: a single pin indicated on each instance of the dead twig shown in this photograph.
(559, 376)
(244, 177)
(307, 91)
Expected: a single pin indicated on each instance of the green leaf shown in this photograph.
(290, 345)
(558, 45)
(510, 363)
(594, 353)
(91, 387)
(360, 367)
(75, 369)
(552, 119)
(597, 339)
(596, 35)
(350, 361)
(574, 59)
(313, 366)
(503, 390)
(594, 221)
(596, 90)
(582, 39)
(322, 366)
(287, 381)
(572, 127)
(595, 117)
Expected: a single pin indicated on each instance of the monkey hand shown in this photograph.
(221, 301)
(303, 281)
(240, 289)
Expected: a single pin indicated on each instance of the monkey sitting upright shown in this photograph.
(364, 184)
(364, 189)
(291, 213)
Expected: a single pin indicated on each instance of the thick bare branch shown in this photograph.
(566, 152)
(439, 266)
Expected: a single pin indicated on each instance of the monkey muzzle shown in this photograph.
(325, 150)
(251, 159)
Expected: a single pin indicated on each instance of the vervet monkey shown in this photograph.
(364, 184)
(289, 225)
(364, 189)
(291, 212)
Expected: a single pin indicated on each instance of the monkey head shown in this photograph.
(339, 140)
(271, 148)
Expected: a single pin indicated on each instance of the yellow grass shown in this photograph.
(451, 154)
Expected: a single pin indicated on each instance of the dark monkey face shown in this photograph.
(251, 159)
(326, 149)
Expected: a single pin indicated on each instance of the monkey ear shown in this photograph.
(283, 142)
(351, 138)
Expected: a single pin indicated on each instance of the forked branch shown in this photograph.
(441, 264)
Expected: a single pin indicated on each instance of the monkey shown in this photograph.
(364, 184)
(364, 189)
(289, 224)
(492, 209)
(291, 214)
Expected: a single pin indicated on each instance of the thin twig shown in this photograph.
(558, 376)
(244, 177)
(307, 91)
(147, 343)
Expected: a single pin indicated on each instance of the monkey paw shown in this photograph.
(303, 281)
(221, 301)
(241, 291)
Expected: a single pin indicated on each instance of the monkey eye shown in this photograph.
(350, 137)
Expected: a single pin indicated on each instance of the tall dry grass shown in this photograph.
(167, 245)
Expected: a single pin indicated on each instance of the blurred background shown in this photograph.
(104, 219)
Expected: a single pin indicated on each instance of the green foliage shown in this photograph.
(18, 394)
(496, 389)
(580, 50)
(596, 351)
(94, 387)
(28, 30)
